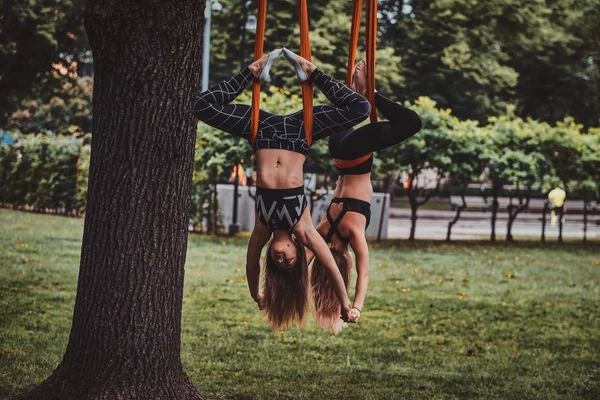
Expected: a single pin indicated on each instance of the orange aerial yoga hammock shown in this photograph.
(370, 47)
(307, 89)
(258, 52)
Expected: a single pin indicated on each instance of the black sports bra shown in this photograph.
(349, 205)
(280, 208)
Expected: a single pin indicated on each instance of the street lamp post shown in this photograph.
(211, 5)
(250, 26)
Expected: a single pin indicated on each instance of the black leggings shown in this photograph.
(402, 124)
(281, 131)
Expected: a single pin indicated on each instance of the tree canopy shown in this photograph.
(474, 57)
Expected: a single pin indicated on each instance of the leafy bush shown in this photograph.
(50, 172)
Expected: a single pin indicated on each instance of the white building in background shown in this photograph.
(379, 209)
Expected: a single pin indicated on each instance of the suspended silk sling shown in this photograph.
(307, 89)
(258, 53)
(370, 47)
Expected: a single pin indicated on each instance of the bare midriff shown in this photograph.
(356, 187)
(279, 169)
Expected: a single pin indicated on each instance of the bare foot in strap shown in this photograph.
(360, 77)
(303, 67)
(257, 66)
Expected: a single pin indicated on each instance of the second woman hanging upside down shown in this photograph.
(349, 213)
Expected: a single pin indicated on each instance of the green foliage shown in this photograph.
(329, 35)
(45, 172)
(432, 148)
(509, 150)
(39, 37)
(473, 56)
(479, 56)
(69, 112)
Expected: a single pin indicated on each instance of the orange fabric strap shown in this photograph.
(259, 42)
(351, 163)
(371, 46)
(354, 30)
(307, 88)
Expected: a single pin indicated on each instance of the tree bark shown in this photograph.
(495, 205)
(544, 213)
(215, 209)
(125, 337)
(413, 218)
(414, 206)
(585, 214)
(513, 212)
(459, 210)
(560, 227)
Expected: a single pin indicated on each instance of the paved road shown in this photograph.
(476, 225)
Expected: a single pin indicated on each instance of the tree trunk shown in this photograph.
(495, 205)
(209, 218)
(560, 227)
(414, 206)
(215, 210)
(544, 213)
(513, 212)
(125, 337)
(459, 210)
(585, 214)
(391, 189)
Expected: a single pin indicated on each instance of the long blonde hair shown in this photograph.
(326, 305)
(285, 290)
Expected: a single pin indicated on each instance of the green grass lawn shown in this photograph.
(467, 320)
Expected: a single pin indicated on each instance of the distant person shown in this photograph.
(557, 197)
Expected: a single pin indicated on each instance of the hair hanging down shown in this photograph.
(285, 290)
(326, 305)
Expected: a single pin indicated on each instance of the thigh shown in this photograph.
(364, 140)
(230, 118)
(334, 143)
(330, 120)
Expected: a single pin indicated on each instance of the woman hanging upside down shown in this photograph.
(349, 213)
(281, 206)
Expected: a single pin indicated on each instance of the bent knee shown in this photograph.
(411, 122)
(200, 107)
(415, 123)
(363, 107)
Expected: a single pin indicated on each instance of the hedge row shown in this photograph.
(45, 173)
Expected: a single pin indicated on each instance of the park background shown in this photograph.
(509, 93)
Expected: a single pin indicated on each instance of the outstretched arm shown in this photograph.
(361, 251)
(310, 238)
(260, 236)
(322, 230)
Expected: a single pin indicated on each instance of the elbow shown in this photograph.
(364, 108)
(361, 107)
